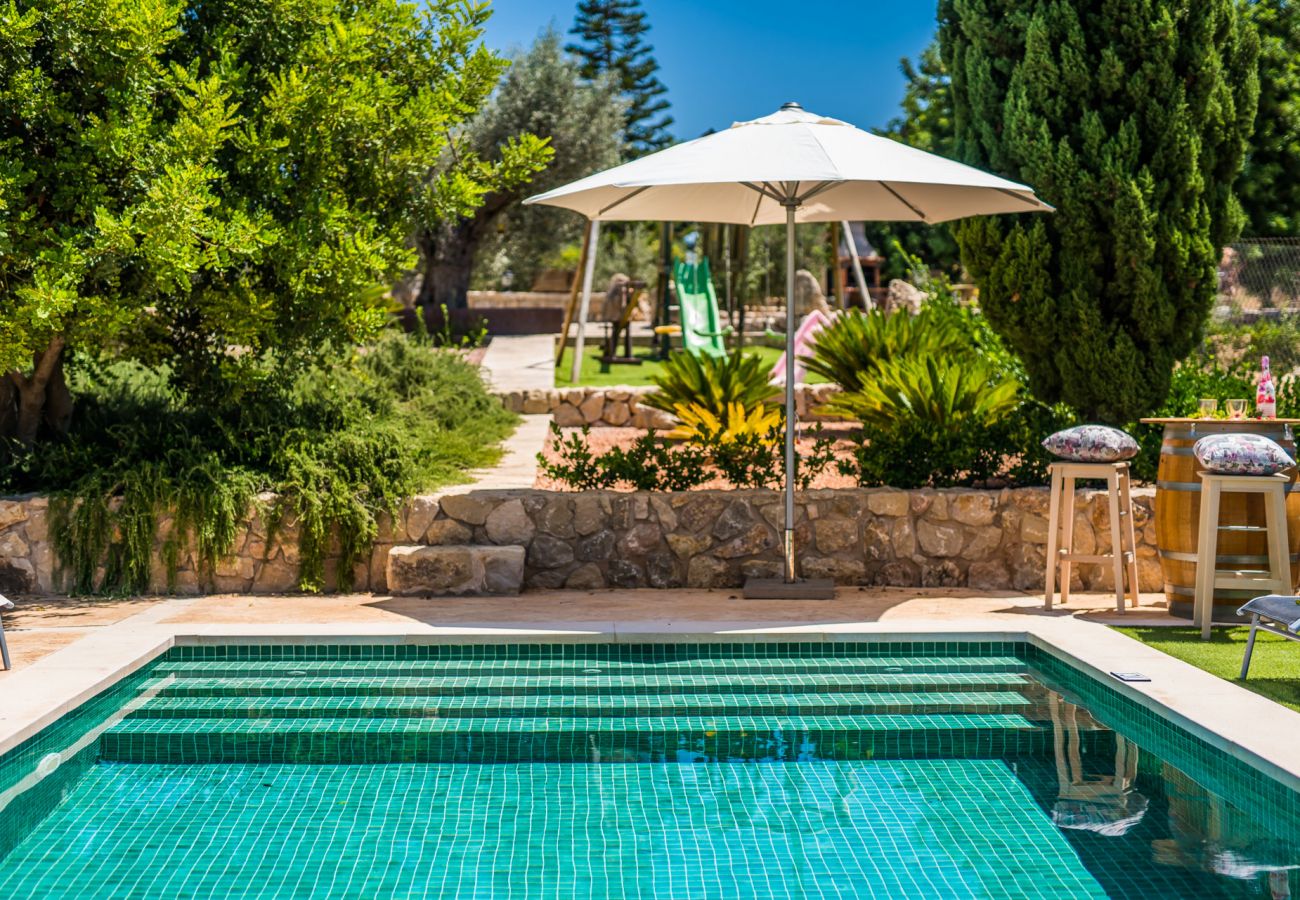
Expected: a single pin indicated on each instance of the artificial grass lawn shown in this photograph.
(1274, 669)
(594, 373)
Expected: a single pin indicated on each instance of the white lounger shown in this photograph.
(5, 605)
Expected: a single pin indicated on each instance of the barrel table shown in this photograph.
(1242, 543)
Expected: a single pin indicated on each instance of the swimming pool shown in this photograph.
(891, 769)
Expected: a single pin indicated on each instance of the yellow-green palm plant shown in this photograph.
(702, 425)
(712, 384)
(947, 393)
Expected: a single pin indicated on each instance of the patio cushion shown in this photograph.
(1091, 443)
(1241, 454)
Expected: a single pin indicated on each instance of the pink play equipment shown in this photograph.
(804, 337)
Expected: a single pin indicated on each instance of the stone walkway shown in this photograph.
(523, 362)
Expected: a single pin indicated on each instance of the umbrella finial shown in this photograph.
(791, 104)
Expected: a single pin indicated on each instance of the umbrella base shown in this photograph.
(780, 589)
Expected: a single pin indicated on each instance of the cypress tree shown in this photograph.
(1131, 117)
(1270, 184)
(611, 40)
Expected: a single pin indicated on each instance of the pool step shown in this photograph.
(544, 667)
(582, 705)
(376, 686)
(563, 739)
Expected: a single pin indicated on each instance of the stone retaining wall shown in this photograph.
(621, 407)
(944, 538)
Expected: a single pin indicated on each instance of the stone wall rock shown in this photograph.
(990, 540)
(623, 407)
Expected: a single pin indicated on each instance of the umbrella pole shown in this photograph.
(790, 586)
(791, 424)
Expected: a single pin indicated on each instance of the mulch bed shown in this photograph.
(601, 440)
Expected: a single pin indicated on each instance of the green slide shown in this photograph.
(702, 329)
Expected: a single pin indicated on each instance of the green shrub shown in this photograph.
(648, 465)
(945, 393)
(712, 384)
(855, 344)
(349, 439)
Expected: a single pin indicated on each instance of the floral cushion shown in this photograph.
(1091, 443)
(1241, 454)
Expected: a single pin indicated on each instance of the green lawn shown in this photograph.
(1274, 670)
(596, 374)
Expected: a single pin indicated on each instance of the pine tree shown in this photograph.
(1131, 117)
(1269, 187)
(611, 40)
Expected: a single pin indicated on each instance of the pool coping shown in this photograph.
(1250, 727)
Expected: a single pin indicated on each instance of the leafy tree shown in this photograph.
(1268, 187)
(926, 123)
(542, 94)
(1131, 117)
(611, 41)
(218, 187)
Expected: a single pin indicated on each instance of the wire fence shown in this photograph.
(1258, 308)
(1259, 278)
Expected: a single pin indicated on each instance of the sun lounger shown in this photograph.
(1274, 613)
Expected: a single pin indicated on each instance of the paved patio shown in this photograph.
(42, 625)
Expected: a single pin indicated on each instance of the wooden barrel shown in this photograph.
(1178, 509)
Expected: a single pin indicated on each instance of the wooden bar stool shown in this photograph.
(1060, 529)
(1209, 578)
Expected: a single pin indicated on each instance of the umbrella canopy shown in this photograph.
(792, 166)
(747, 174)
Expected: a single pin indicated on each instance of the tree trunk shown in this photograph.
(58, 401)
(448, 254)
(32, 392)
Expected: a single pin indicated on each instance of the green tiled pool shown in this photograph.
(886, 770)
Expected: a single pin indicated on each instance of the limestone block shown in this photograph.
(536, 403)
(756, 540)
(941, 574)
(972, 508)
(903, 536)
(706, 572)
(1033, 529)
(273, 577)
(735, 520)
(589, 513)
(877, 540)
(37, 527)
(662, 570)
(556, 517)
(664, 513)
(419, 515)
(981, 542)
(598, 546)
(455, 570)
(988, 575)
(471, 508)
(546, 552)
(447, 531)
(12, 546)
(624, 573)
(700, 511)
(641, 540)
(592, 407)
(838, 569)
(939, 540)
(687, 546)
(835, 535)
(587, 577)
(567, 415)
(888, 502)
(900, 573)
(509, 524)
(12, 512)
(617, 414)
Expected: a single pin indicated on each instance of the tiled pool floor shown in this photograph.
(896, 828)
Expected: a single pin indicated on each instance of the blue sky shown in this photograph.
(724, 60)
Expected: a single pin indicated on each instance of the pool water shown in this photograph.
(666, 771)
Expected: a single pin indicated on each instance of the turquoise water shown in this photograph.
(853, 770)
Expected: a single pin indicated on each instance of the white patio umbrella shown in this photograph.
(792, 166)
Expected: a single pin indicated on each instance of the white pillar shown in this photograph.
(791, 424)
(588, 274)
(857, 268)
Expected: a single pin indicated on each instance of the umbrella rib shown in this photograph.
(1035, 202)
(825, 185)
(901, 199)
(622, 199)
